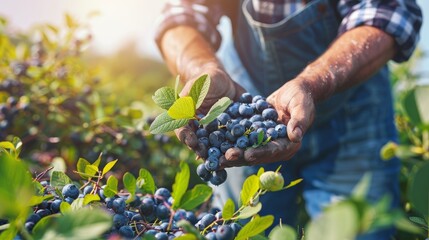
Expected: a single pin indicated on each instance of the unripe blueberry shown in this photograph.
(271, 181)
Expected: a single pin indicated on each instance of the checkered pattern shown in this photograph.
(400, 18)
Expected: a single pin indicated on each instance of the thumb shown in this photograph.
(300, 119)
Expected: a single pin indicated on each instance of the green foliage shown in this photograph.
(193, 198)
(418, 191)
(181, 184)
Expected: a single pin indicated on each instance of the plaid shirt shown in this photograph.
(400, 18)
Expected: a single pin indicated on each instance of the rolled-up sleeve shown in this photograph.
(401, 19)
(203, 15)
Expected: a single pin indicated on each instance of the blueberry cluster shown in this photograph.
(8, 111)
(241, 126)
(145, 215)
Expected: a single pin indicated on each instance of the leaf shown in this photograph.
(338, 222)
(129, 182)
(180, 184)
(9, 233)
(418, 220)
(219, 107)
(35, 200)
(199, 90)
(361, 189)
(90, 198)
(260, 171)
(418, 191)
(111, 188)
(176, 87)
(97, 162)
(91, 169)
(186, 236)
(7, 145)
(199, 194)
(260, 138)
(59, 179)
(249, 211)
(65, 207)
(109, 166)
(411, 109)
(190, 229)
(70, 21)
(182, 108)
(228, 209)
(77, 204)
(164, 123)
(83, 224)
(164, 97)
(255, 226)
(145, 182)
(284, 232)
(249, 189)
(293, 183)
(81, 166)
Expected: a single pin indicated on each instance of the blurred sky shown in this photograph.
(119, 21)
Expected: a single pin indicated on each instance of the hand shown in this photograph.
(221, 85)
(295, 107)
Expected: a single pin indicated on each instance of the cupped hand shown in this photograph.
(295, 107)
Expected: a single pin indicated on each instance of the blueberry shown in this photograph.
(261, 105)
(236, 227)
(163, 192)
(126, 231)
(147, 207)
(190, 216)
(179, 215)
(70, 190)
(109, 202)
(230, 124)
(162, 212)
(164, 226)
(151, 232)
(29, 226)
(245, 98)
(88, 189)
(55, 206)
(211, 236)
(245, 110)
(211, 163)
(119, 205)
(281, 130)
(270, 114)
(242, 142)
(233, 110)
(271, 132)
(216, 138)
(246, 123)
(218, 177)
(223, 118)
(218, 215)
(69, 200)
(136, 218)
(33, 218)
(161, 236)
(43, 213)
(207, 219)
(270, 124)
(135, 202)
(129, 214)
(214, 151)
(203, 173)
(224, 232)
(256, 98)
(225, 146)
(201, 132)
(212, 126)
(119, 220)
(229, 137)
(204, 140)
(44, 204)
(256, 125)
(238, 130)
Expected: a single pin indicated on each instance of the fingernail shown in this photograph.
(298, 133)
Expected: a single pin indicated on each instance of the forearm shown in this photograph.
(187, 52)
(351, 59)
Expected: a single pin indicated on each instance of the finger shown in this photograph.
(232, 158)
(301, 116)
(278, 150)
(187, 136)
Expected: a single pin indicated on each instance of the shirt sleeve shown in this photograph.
(401, 19)
(203, 15)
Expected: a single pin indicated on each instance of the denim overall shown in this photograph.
(349, 128)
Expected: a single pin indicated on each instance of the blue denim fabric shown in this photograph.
(349, 129)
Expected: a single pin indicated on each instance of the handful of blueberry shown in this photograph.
(250, 122)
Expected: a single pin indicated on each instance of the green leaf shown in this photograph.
(59, 179)
(35, 200)
(249, 211)
(338, 222)
(260, 138)
(90, 198)
(260, 171)
(293, 183)
(418, 191)
(180, 184)
(361, 189)
(422, 100)
(77, 204)
(7, 145)
(65, 207)
(164, 97)
(255, 226)
(109, 166)
(186, 236)
(164, 123)
(111, 188)
(9, 234)
(228, 209)
(199, 194)
(199, 90)
(410, 108)
(70, 21)
(284, 232)
(219, 107)
(91, 169)
(97, 162)
(145, 182)
(81, 166)
(418, 220)
(182, 108)
(249, 189)
(190, 229)
(176, 87)
(129, 182)
(83, 224)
